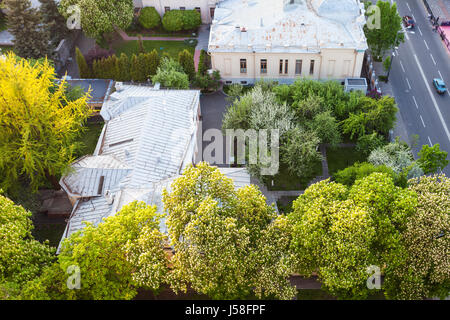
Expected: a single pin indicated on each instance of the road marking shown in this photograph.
(414, 18)
(415, 102)
(423, 123)
(433, 98)
(440, 75)
(431, 143)
(403, 68)
(426, 44)
(448, 92)
(420, 31)
(407, 4)
(409, 85)
(432, 58)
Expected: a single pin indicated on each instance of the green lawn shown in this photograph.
(171, 47)
(285, 181)
(341, 158)
(89, 138)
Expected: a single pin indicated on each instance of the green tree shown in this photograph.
(387, 36)
(121, 254)
(170, 74)
(40, 126)
(349, 175)
(425, 271)
(99, 16)
(327, 128)
(203, 63)
(53, 21)
(149, 18)
(151, 63)
(83, 68)
(124, 68)
(432, 159)
(339, 232)
(186, 60)
(25, 24)
(229, 243)
(21, 257)
(300, 152)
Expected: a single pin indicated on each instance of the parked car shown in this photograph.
(440, 86)
(409, 22)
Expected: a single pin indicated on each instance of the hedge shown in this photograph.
(139, 68)
(177, 20)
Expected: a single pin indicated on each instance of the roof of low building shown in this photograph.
(143, 147)
(287, 26)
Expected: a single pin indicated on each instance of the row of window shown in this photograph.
(211, 10)
(284, 66)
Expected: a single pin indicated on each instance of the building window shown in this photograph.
(211, 12)
(182, 8)
(298, 66)
(244, 82)
(243, 65)
(198, 10)
(263, 65)
(311, 67)
(281, 66)
(166, 9)
(286, 66)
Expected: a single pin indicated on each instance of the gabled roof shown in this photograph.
(145, 142)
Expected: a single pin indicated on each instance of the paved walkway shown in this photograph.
(440, 8)
(6, 38)
(126, 37)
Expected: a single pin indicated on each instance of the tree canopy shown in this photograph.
(101, 16)
(339, 232)
(229, 243)
(39, 124)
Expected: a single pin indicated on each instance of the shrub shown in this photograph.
(369, 142)
(97, 53)
(191, 19)
(173, 20)
(149, 18)
(177, 20)
(358, 171)
(171, 75)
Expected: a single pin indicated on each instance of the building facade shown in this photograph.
(284, 40)
(205, 7)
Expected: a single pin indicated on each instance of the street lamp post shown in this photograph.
(392, 56)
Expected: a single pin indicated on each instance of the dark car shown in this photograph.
(440, 86)
(409, 22)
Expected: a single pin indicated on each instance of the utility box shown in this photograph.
(354, 84)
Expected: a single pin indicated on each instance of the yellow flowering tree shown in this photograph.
(425, 272)
(39, 125)
(228, 243)
(21, 257)
(340, 232)
(121, 254)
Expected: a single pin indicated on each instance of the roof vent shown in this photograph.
(119, 86)
(109, 197)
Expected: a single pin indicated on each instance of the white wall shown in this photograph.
(204, 6)
(335, 64)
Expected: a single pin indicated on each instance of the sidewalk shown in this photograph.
(386, 89)
(202, 44)
(440, 8)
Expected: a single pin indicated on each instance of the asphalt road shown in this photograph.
(421, 58)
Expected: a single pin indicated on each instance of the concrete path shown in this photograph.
(6, 38)
(203, 41)
(126, 37)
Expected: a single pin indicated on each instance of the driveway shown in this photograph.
(213, 107)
